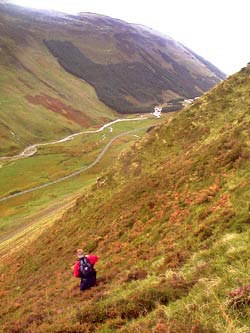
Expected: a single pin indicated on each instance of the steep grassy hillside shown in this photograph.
(61, 73)
(170, 222)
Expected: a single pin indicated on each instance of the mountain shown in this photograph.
(61, 73)
(170, 222)
(131, 67)
(39, 100)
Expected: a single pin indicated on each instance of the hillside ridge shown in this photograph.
(170, 221)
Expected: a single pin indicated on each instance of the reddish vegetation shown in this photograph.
(58, 106)
(239, 298)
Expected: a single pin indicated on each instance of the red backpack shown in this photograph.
(92, 258)
(77, 272)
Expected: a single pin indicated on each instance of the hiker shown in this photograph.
(84, 269)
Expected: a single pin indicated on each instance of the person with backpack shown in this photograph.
(84, 269)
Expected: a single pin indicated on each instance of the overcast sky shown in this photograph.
(218, 30)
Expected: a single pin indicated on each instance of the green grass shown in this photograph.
(32, 77)
(220, 270)
(170, 221)
(199, 293)
(53, 162)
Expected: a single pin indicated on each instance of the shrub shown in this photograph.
(239, 298)
(138, 304)
(138, 274)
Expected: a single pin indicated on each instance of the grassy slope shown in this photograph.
(171, 224)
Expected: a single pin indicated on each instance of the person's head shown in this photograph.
(80, 253)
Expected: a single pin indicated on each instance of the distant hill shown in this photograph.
(60, 73)
(39, 101)
(170, 221)
(132, 67)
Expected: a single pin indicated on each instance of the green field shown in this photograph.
(51, 162)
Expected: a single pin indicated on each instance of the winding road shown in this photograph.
(78, 172)
(31, 150)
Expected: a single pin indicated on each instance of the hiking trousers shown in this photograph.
(88, 282)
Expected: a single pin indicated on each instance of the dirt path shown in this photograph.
(27, 222)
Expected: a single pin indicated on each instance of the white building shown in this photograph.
(157, 111)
